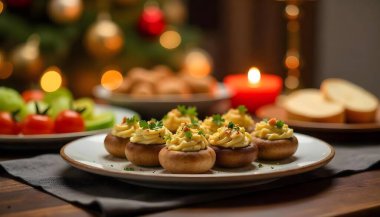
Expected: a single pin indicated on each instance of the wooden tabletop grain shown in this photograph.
(355, 195)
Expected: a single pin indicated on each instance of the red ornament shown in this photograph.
(151, 22)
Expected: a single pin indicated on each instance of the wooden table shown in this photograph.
(355, 195)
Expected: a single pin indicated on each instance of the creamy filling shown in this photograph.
(265, 130)
(230, 138)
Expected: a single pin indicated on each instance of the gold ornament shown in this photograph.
(104, 38)
(26, 57)
(65, 11)
(175, 11)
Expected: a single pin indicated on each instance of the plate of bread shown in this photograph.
(180, 151)
(162, 89)
(338, 106)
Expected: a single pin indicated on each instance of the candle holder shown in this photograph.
(253, 90)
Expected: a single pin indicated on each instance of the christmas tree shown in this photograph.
(84, 38)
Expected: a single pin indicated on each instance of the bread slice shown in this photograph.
(360, 105)
(310, 105)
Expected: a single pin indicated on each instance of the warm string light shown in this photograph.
(111, 79)
(51, 79)
(292, 59)
(198, 63)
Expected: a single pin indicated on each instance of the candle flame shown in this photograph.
(254, 75)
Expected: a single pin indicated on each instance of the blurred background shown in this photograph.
(304, 42)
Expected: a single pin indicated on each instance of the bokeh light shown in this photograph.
(292, 11)
(111, 79)
(51, 80)
(198, 63)
(292, 62)
(1, 7)
(254, 75)
(293, 26)
(6, 68)
(170, 39)
(292, 82)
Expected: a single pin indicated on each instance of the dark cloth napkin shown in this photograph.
(111, 197)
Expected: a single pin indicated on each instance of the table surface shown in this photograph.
(355, 195)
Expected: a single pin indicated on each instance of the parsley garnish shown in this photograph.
(242, 109)
(279, 124)
(194, 122)
(167, 137)
(165, 117)
(190, 111)
(217, 119)
(201, 133)
(231, 125)
(182, 109)
(159, 124)
(188, 134)
(143, 124)
(131, 120)
(260, 165)
(152, 124)
(129, 169)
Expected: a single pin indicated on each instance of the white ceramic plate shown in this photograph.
(88, 154)
(55, 141)
(165, 103)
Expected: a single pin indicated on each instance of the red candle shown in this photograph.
(254, 90)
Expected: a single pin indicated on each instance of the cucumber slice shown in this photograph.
(100, 121)
(59, 105)
(10, 100)
(86, 103)
(62, 92)
(31, 107)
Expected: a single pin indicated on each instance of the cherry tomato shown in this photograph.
(32, 95)
(37, 124)
(7, 124)
(69, 121)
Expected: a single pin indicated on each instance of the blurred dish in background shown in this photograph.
(157, 105)
(55, 141)
(162, 81)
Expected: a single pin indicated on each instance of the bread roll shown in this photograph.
(310, 105)
(125, 87)
(142, 89)
(173, 86)
(161, 72)
(360, 105)
(199, 85)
